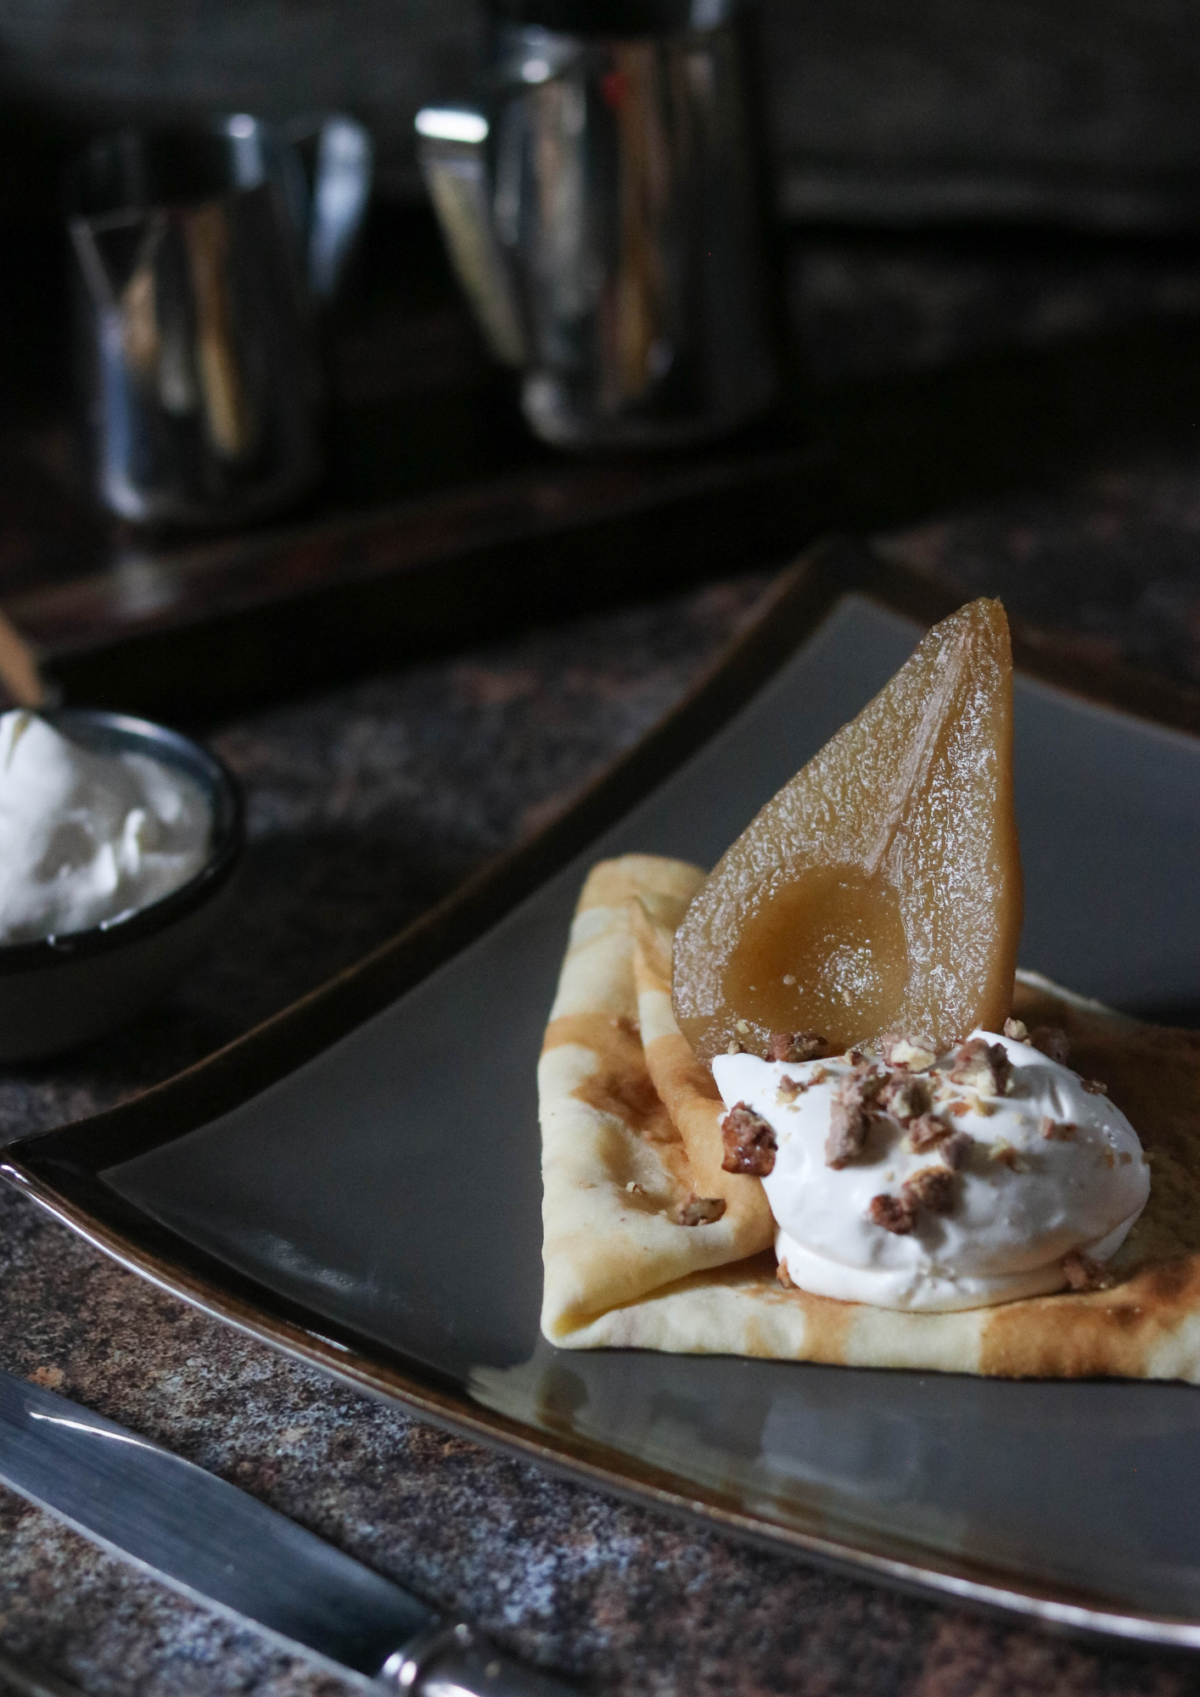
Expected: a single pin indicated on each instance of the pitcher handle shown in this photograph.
(325, 164)
(452, 149)
(341, 188)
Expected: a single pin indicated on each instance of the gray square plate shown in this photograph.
(358, 1180)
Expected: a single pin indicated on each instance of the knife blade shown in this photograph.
(212, 1541)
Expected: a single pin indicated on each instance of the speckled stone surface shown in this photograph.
(1112, 564)
(365, 805)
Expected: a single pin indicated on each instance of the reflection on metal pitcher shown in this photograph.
(604, 218)
(196, 359)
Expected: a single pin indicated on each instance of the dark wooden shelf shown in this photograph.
(442, 521)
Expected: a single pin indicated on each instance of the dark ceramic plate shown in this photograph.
(357, 1181)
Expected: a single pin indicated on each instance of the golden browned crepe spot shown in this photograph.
(619, 1083)
(631, 1127)
(827, 1321)
(1098, 1333)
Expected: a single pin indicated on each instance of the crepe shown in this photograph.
(631, 1133)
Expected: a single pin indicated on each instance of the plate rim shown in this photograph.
(58, 1169)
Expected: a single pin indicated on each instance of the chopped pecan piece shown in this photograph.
(749, 1142)
(956, 1150)
(1082, 1273)
(1052, 1041)
(892, 1214)
(1003, 1153)
(796, 1046)
(788, 1089)
(981, 1066)
(700, 1210)
(905, 1098)
(934, 1188)
(927, 1132)
(898, 1050)
(1058, 1131)
(849, 1122)
(1017, 1030)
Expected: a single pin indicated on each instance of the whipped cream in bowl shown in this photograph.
(120, 844)
(930, 1182)
(89, 836)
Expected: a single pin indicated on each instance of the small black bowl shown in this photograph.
(64, 990)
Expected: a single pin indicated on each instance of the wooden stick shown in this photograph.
(19, 672)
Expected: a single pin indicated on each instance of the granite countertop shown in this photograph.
(365, 804)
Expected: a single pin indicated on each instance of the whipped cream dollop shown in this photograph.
(936, 1183)
(87, 838)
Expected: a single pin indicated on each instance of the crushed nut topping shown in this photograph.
(1094, 1087)
(905, 1098)
(742, 1028)
(901, 1051)
(1017, 1030)
(733, 1047)
(934, 1188)
(849, 1122)
(795, 1046)
(1060, 1131)
(788, 1090)
(750, 1145)
(892, 1214)
(700, 1210)
(927, 1132)
(1082, 1273)
(784, 1277)
(956, 1150)
(867, 1082)
(1052, 1041)
(981, 1066)
(634, 1188)
(1004, 1155)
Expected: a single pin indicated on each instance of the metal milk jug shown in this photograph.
(604, 213)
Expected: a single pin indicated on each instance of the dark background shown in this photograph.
(1080, 110)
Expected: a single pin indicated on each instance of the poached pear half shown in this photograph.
(880, 890)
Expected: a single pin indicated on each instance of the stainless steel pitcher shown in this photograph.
(200, 256)
(604, 216)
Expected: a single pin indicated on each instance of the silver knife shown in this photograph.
(212, 1541)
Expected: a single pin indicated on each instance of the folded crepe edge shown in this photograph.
(615, 1167)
